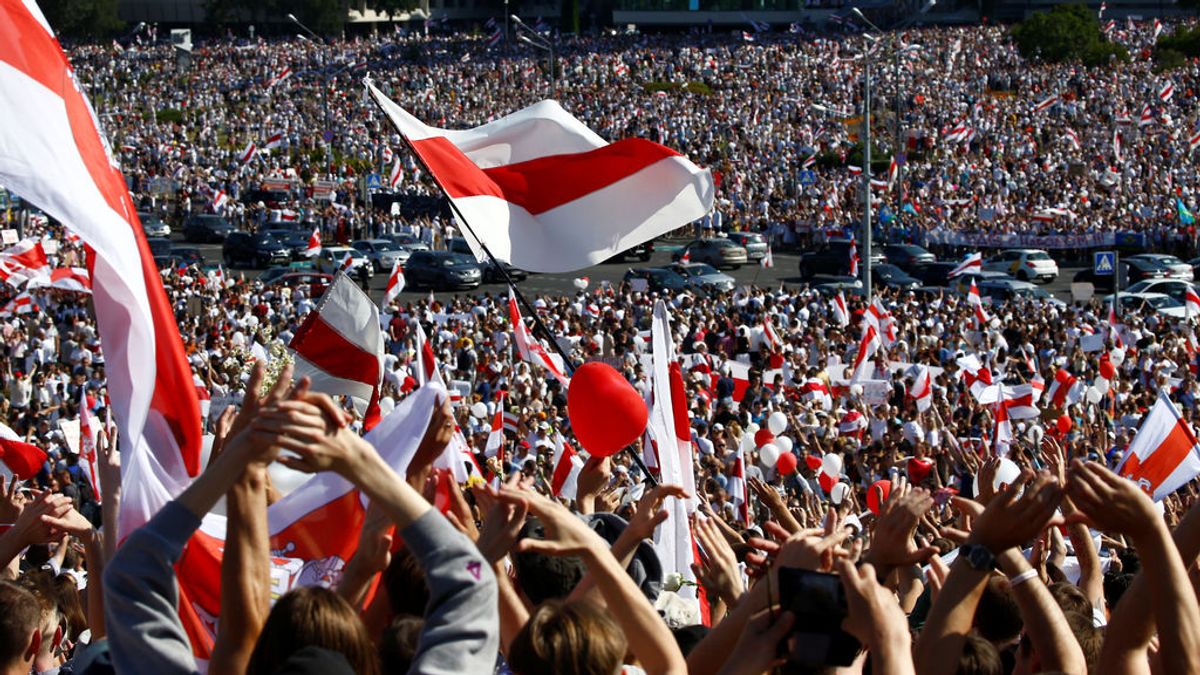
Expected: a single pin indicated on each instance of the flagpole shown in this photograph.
(537, 321)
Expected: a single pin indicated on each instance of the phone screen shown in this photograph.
(818, 601)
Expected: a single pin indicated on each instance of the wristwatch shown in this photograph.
(978, 556)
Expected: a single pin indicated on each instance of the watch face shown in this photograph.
(979, 557)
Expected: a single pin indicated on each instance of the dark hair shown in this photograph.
(404, 581)
(997, 618)
(312, 615)
(1090, 639)
(688, 637)
(1070, 598)
(398, 644)
(979, 657)
(1115, 585)
(544, 577)
(20, 616)
(579, 638)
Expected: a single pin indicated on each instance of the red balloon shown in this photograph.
(918, 469)
(606, 412)
(813, 462)
(1107, 370)
(877, 494)
(827, 482)
(762, 437)
(1063, 424)
(786, 463)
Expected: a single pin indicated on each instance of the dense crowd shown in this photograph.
(961, 540)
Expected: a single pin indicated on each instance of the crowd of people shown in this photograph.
(918, 526)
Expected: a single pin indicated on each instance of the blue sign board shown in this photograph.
(1104, 263)
(808, 177)
(374, 182)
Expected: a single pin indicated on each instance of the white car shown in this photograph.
(331, 258)
(1161, 302)
(1176, 268)
(1175, 288)
(1026, 264)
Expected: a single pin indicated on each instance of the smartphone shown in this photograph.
(818, 601)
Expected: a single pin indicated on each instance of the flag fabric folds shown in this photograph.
(530, 349)
(546, 194)
(55, 156)
(1164, 455)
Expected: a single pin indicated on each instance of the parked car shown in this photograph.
(908, 257)
(408, 241)
(1159, 302)
(187, 255)
(153, 226)
(331, 258)
(383, 253)
(442, 270)
(834, 258)
(962, 283)
(891, 276)
(642, 252)
(160, 248)
(717, 251)
(1132, 271)
(830, 285)
(1176, 268)
(293, 239)
(315, 282)
(1175, 288)
(658, 279)
(1005, 290)
(755, 244)
(254, 250)
(1026, 264)
(206, 228)
(703, 276)
(491, 270)
(934, 274)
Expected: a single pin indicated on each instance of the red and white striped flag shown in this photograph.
(981, 316)
(340, 345)
(530, 349)
(24, 460)
(1164, 455)
(314, 244)
(1194, 141)
(814, 389)
(1118, 154)
(768, 260)
(1147, 116)
(864, 366)
(87, 444)
(274, 140)
(841, 314)
(853, 423)
(922, 390)
(567, 465)
(770, 336)
(56, 158)
(546, 194)
(1158, 29)
(279, 77)
(347, 262)
(972, 263)
(1192, 302)
(25, 261)
(1065, 389)
(853, 258)
(74, 279)
(1046, 103)
(22, 303)
(395, 284)
(1114, 325)
(1072, 138)
(248, 153)
(387, 154)
(1166, 91)
(396, 175)
(495, 440)
(737, 487)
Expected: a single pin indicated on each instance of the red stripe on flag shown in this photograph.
(330, 351)
(541, 184)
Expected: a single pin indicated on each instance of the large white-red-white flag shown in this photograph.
(87, 444)
(530, 349)
(395, 284)
(972, 263)
(566, 465)
(55, 156)
(864, 364)
(340, 345)
(545, 193)
(1164, 455)
(314, 244)
(20, 458)
(495, 440)
(841, 313)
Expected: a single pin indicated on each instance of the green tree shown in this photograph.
(83, 18)
(1065, 33)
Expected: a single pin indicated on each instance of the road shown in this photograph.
(784, 271)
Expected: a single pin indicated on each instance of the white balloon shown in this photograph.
(1093, 395)
(752, 429)
(1117, 356)
(1006, 474)
(831, 464)
(856, 390)
(747, 442)
(783, 443)
(581, 283)
(1101, 385)
(839, 493)
(479, 409)
(768, 455)
(777, 422)
(386, 405)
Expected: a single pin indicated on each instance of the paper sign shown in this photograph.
(70, 430)
(875, 392)
(1091, 343)
(639, 285)
(50, 246)
(8, 236)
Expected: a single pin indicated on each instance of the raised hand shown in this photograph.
(1109, 502)
(758, 647)
(718, 567)
(502, 522)
(1011, 520)
(12, 501)
(565, 533)
(892, 543)
(649, 513)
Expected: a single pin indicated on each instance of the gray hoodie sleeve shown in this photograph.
(141, 597)
(462, 622)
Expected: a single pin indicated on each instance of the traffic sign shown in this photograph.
(374, 182)
(1104, 263)
(808, 177)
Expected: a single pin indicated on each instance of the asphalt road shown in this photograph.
(784, 271)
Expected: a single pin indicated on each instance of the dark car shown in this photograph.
(908, 256)
(491, 269)
(206, 228)
(934, 274)
(1132, 270)
(186, 255)
(160, 248)
(834, 259)
(642, 252)
(254, 250)
(658, 279)
(442, 270)
(315, 282)
(273, 199)
(892, 276)
(293, 239)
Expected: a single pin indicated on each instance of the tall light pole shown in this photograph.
(866, 175)
(324, 87)
(531, 38)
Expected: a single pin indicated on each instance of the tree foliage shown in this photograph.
(83, 18)
(1067, 32)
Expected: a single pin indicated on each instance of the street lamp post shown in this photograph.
(531, 38)
(866, 273)
(324, 88)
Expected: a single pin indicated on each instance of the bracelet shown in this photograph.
(1021, 578)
